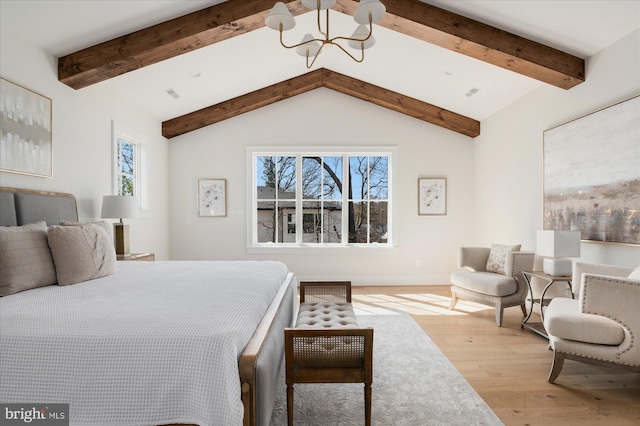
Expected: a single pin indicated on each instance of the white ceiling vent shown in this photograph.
(472, 92)
(172, 93)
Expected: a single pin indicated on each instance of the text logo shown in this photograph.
(34, 414)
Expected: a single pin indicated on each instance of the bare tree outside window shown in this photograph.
(322, 198)
(126, 168)
(276, 186)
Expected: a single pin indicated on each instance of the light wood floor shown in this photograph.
(508, 366)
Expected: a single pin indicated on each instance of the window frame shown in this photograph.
(299, 152)
(141, 162)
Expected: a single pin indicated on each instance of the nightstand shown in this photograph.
(149, 257)
(538, 327)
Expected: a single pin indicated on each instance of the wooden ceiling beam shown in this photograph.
(236, 17)
(480, 41)
(245, 103)
(313, 80)
(400, 103)
(166, 40)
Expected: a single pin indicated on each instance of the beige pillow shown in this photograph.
(25, 258)
(635, 274)
(81, 252)
(498, 257)
(103, 223)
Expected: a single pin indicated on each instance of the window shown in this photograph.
(130, 161)
(126, 167)
(310, 223)
(341, 197)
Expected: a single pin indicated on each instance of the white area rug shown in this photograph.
(414, 384)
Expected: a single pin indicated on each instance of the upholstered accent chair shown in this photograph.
(601, 326)
(490, 280)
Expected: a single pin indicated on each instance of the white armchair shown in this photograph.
(602, 326)
(501, 290)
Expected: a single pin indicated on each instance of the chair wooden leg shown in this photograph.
(367, 404)
(524, 309)
(499, 311)
(454, 300)
(556, 366)
(290, 405)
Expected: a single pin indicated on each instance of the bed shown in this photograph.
(152, 343)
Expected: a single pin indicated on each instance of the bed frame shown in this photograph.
(259, 365)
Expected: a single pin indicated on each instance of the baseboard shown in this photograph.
(381, 280)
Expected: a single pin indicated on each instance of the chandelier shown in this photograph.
(367, 12)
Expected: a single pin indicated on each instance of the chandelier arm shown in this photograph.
(326, 35)
(349, 54)
(309, 65)
(356, 39)
(299, 44)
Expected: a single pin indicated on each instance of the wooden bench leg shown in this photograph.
(290, 404)
(367, 404)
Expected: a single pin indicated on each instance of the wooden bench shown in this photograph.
(327, 344)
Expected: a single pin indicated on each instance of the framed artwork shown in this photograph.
(592, 175)
(432, 196)
(212, 197)
(25, 131)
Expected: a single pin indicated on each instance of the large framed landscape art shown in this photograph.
(592, 175)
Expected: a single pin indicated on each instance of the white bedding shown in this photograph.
(155, 343)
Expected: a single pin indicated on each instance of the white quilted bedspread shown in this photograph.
(155, 343)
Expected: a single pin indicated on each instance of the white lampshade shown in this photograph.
(313, 4)
(313, 47)
(361, 33)
(377, 10)
(556, 245)
(119, 206)
(280, 14)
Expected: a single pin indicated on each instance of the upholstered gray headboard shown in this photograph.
(22, 206)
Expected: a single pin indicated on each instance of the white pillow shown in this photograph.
(81, 252)
(498, 257)
(25, 258)
(635, 274)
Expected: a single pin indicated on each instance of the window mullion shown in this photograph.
(298, 204)
(368, 200)
(321, 209)
(345, 199)
(276, 197)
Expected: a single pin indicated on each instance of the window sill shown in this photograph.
(324, 249)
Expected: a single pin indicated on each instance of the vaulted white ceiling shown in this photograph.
(255, 60)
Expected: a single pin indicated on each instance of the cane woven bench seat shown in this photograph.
(327, 344)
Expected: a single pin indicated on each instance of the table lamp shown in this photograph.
(556, 246)
(118, 207)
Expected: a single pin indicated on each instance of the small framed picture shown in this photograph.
(212, 197)
(432, 196)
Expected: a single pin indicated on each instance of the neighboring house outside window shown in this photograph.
(342, 197)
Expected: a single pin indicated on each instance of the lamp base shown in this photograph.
(557, 267)
(121, 239)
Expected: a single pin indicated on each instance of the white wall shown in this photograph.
(494, 181)
(327, 118)
(82, 143)
(508, 154)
